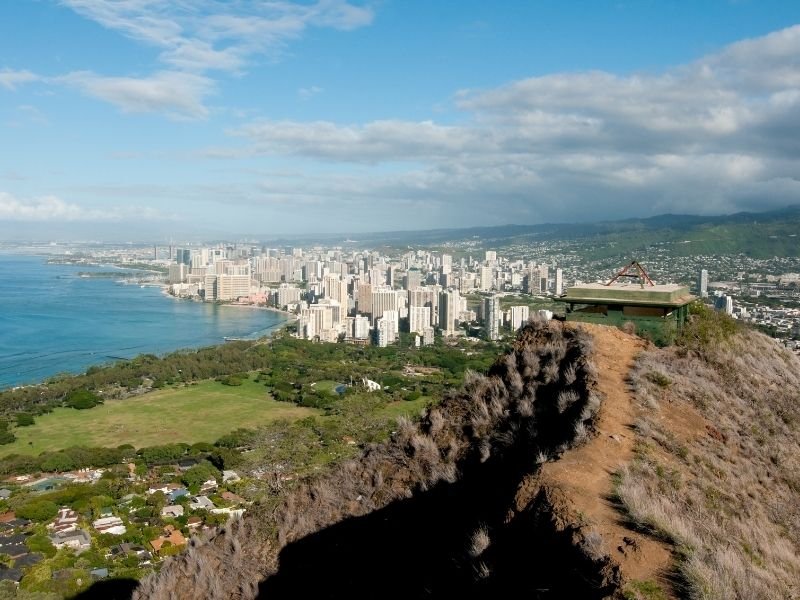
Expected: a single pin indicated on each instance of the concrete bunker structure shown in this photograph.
(657, 312)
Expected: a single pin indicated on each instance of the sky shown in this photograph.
(145, 119)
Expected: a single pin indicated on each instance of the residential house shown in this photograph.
(231, 476)
(78, 540)
(173, 511)
(128, 549)
(13, 545)
(111, 525)
(208, 486)
(231, 497)
(177, 493)
(171, 535)
(201, 503)
(66, 520)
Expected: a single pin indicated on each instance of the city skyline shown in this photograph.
(246, 118)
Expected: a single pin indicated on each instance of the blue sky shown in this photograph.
(147, 119)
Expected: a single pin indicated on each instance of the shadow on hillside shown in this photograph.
(419, 547)
(109, 589)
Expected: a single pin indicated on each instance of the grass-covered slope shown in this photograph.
(203, 412)
(717, 471)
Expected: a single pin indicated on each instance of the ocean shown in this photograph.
(54, 321)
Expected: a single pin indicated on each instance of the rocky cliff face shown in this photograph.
(450, 505)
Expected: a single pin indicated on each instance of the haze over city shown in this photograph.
(141, 119)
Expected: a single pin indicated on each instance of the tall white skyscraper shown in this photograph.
(491, 256)
(491, 312)
(519, 316)
(559, 282)
(449, 306)
(702, 284)
(419, 318)
(383, 300)
(486, 278)
(447, 264)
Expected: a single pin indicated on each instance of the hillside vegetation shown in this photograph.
(434, 511)
(717, 471)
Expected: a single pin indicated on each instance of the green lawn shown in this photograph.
(326, 386)
(198, 413)
(406, 408)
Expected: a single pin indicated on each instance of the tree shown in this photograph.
(38, 510)
(199, 474)
(41, 543)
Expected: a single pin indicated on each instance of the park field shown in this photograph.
(197, 413)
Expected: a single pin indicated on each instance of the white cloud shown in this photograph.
(11, 79)
(215, 34)
(53, 208)
(179, 95)
(717, 134)
(306, 93)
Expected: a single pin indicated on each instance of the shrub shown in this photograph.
(82, 399)
(706, 328)
(6, 436)
(25, 420)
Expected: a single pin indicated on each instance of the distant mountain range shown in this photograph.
(760, 235)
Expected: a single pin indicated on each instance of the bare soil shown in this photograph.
(584, 476)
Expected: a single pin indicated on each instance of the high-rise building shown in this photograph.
(183, 256)
(393, 317)
(385, 333)
(702, 284)
(361, 327)
(178, 273)
(491, 256)
(419, 318)
(544, 274)
(364, 300)
(725, 304)
(449, 307)
(491, 316)
(486, 278)
(412, 279)
(559, 289)
(447, 264)
(335, 289)
(519, 316)
(382, 300)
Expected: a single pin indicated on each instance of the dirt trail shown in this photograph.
(584, 475)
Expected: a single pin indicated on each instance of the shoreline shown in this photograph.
(285, 320)
(289, 315)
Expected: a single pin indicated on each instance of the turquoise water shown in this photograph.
(53, 321)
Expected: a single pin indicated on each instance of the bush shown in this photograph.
(82, 399)
(25, 420)
(6, 436)
(706, 328)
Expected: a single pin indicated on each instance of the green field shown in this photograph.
(197, 413)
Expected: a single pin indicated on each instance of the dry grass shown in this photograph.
(728, 495)
(532, 403)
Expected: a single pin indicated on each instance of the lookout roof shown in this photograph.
(652, 295)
